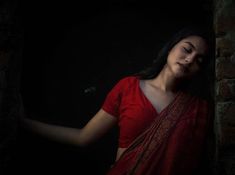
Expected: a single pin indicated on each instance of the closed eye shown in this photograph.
(187, 50)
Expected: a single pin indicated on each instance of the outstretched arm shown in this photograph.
(92, 131)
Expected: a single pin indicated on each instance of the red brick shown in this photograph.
(224, 47)
(227, 135)
(224, 91)
(227, 124)
(224, 21)
(225, 69)
(230, 114)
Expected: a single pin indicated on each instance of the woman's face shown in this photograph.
(185, 58)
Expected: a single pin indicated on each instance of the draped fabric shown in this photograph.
(172, 144)
(134, 112)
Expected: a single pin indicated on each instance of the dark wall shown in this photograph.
(73, 54)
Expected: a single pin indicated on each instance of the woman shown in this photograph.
(164, 120)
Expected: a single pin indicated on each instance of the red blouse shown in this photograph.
(134, 111)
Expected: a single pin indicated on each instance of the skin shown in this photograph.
(183, 62)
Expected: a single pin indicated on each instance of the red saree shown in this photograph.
(171, 145)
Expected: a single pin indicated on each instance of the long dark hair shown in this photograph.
(203, 83)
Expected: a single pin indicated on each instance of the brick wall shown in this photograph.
(224, 22)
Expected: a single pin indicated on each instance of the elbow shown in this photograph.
(82, 141)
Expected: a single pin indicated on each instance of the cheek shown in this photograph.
(173, 57)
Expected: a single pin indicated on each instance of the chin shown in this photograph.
(183, 77)
(179, 75)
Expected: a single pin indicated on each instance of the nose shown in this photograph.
(189, 59)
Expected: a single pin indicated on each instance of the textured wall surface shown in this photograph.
(224, 21)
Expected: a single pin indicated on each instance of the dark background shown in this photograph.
(73, 54)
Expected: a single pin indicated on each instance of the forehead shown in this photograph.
(197, 42)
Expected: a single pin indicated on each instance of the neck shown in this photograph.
(166, 81)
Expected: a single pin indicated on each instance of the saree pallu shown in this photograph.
(172, 144)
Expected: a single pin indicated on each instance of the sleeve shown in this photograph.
(113, 99)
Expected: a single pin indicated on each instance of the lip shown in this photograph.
(182, 66)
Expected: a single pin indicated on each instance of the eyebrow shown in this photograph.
(190, 44)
